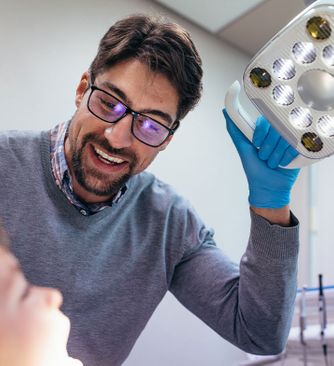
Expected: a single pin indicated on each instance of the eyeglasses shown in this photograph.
(108, 108)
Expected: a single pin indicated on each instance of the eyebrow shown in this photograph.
(120, 94)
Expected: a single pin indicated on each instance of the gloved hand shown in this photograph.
(269, 185)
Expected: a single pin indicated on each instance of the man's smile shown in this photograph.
(108, 159)
(107, 162)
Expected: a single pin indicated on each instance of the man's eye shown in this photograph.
(107, 104)
(149, 125)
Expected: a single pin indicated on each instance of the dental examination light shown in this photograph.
(291, 82)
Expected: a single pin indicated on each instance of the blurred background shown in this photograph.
(45, 47)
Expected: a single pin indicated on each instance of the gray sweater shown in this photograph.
(114, 267)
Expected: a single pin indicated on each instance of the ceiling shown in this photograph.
(245, 24)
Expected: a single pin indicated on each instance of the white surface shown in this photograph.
(212, 15)
(323, 228)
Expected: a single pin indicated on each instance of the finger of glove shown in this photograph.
(261, 130)
(278, 153)
(269, 144)
(289, 154)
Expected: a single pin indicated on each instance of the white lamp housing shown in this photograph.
(291, 82)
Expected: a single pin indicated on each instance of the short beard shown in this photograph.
(108, 188)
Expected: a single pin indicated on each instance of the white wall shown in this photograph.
(322, 229)
(45, 46)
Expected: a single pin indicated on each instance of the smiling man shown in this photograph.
(85, 217)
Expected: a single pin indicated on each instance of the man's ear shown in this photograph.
(82, 88)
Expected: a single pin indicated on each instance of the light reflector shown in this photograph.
(318, 28)
(312, 142)
(304, 52)
(260, 77)
(283, 94)
(316, 89)
(284, 69)
(328, 55)
(325, 126)
(300, 117)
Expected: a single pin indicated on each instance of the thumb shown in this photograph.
(240, 141)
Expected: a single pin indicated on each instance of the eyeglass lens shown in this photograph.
(111, 110)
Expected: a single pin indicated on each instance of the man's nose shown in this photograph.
(119, 134)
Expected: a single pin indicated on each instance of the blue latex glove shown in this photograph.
(269, 185)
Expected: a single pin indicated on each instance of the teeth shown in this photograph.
(108, 157)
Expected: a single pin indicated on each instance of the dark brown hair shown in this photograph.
(164, 47)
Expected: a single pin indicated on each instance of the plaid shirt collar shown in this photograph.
(62, 175)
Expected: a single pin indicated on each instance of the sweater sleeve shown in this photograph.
(250, 305)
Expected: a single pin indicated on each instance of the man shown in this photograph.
(33, 332)
(85, 217)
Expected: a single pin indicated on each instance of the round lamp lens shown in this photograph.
(284, 69)
(260, 77)
(319, 28)
(325, 126)
(312, 142)
(304, 52)
(316, 89)
(300, 118)
(283, 94)
(328, 55)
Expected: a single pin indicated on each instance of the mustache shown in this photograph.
(91, 138)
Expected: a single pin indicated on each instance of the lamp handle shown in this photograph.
(246, 125)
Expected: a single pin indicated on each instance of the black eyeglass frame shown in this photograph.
(134, 114)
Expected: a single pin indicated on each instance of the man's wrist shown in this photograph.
(280, 216)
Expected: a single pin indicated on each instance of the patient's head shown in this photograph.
(33, 331)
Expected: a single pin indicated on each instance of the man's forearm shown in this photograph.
(280, 216)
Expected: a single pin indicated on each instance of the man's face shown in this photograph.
(102, 156)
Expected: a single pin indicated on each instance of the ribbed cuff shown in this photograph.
(272, 240)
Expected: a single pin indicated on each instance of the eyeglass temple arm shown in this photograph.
(246, 125)
(177, 125)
